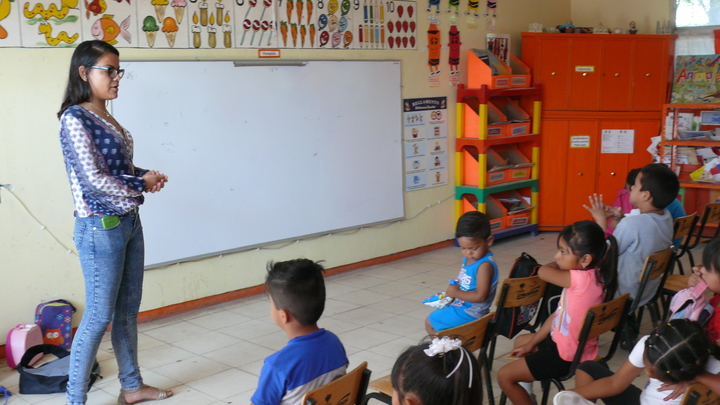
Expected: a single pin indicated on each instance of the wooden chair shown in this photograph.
(711, 215)
(657, 265)
(346, 390)
(599, 319)
(523, 295)
(474, 336)
(698, 394)
(683, 230)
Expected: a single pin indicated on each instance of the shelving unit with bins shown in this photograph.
(696, 194)
(529, 142)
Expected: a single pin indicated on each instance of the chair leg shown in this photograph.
(545, 384)
(680, 266)
(491, 352)
(503, 399)
(691, 259)
(488, 380)
(654, 313)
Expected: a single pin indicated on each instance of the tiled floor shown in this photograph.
(214, 355)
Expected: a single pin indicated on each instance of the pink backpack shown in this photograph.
(19, 339)
(690, 303)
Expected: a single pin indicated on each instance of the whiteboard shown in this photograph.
(262, 154)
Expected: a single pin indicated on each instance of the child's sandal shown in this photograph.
(162, 394)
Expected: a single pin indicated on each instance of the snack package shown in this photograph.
(439, 300)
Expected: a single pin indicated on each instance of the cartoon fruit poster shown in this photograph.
(401, 25)
(10, 23)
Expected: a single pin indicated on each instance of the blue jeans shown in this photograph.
(112, 262)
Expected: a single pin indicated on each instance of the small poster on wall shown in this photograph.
(425, 142)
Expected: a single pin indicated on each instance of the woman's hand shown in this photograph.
(154, 181)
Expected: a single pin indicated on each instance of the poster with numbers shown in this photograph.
(425, 142)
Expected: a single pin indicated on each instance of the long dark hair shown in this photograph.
(587, 237)
(678, 350)
(86, 54)
(432, 379)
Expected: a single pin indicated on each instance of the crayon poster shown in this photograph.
(425, 142)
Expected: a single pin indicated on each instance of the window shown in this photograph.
(694, 13)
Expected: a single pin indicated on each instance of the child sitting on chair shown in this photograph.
(474, 289)
(313, 356)
(439, 373)
(656, 186)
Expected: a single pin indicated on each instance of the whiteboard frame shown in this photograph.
(292, 63)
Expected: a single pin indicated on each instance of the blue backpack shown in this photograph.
(55, 321)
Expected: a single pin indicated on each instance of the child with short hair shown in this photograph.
(585, 267)
(656, 186)
(313, 356)
(474, 289)
(673, 355)
(438, 373)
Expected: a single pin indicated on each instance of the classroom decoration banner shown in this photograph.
(425, 142)
(696, 79)
(194, 24)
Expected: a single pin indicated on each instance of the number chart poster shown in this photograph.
(425, 142)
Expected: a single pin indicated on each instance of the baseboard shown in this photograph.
(183, 307)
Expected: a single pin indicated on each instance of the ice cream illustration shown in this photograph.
(255, 28)
(179, 7)
(336, 37)
(170, 29)
(219, 8)
(203, 13)
(196, 31)
(264, 27)
(246, 26)
(160, 6)
(151, 28)
(227, 31)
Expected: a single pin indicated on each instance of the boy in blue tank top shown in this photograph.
(313, 356)
(474, 289)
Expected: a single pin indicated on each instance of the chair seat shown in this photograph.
(383, 385)
(676, 282)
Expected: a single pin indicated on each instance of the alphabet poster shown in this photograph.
(189, 24)
(425, 142)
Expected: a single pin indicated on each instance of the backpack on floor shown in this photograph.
(512, 320)
(690, 303)
(19, 339)
(55, 321)
(49, 375)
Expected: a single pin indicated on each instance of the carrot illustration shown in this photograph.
(289, 10)
(303, 31)
(309, 5)
(293, 31)
(299, 8)
(283, 31)
(312, 35)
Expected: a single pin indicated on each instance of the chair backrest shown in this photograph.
(598, 320)
(346, 390)
(684, 225)
(698, 394)
(658, 264)
(473, 334)
(711, 214)
(516, 292)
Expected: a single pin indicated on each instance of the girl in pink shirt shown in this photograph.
(586, 267)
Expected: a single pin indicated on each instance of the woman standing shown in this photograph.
(107, 189)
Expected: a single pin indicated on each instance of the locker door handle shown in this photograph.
(553, 74)
(617, 74)
(647, 74)
(584, 74)
(612, 173)
(579, 174)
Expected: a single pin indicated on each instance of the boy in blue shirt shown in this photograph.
(313, 356)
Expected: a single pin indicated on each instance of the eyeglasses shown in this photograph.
(111, 71)
(4, 392)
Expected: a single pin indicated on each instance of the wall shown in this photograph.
(619, 13)
(35, 267)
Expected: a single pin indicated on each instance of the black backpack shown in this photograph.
(51, 377)
(510, 321)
